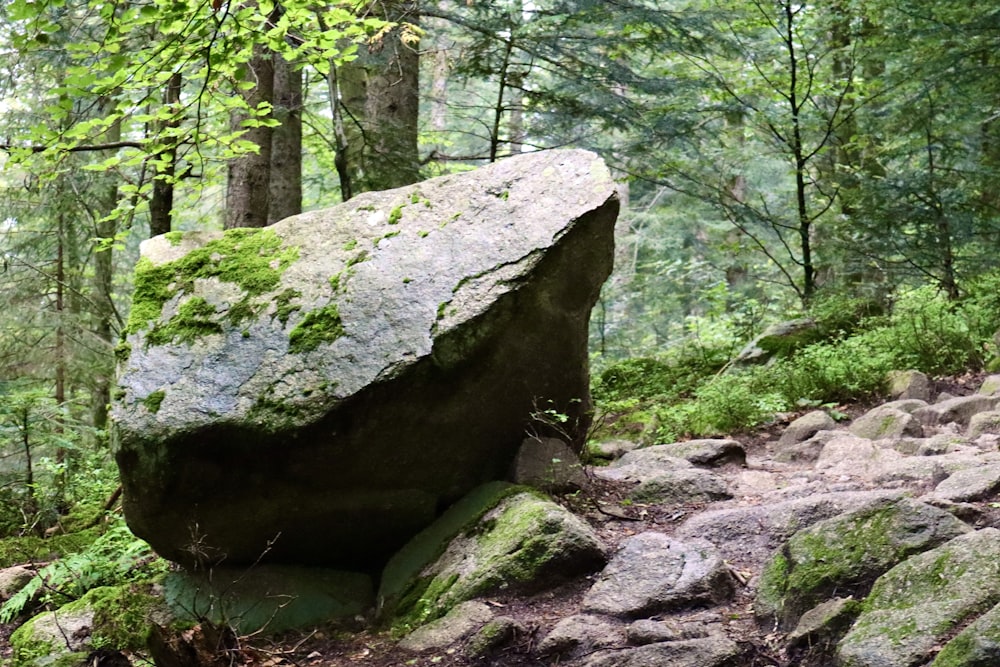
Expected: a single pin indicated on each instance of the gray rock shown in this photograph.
(54, 636)
(706, 452)
(579, 634)
(990, 385)
(496, 633)
(523, 542)
(975, 483)
(459, 623)
(612, 449)
(824, 623)
(806, 451)
(918, 603)
(268, 597)
(647, 631)
(984, 422)
(779, 340)
(751, 534)
(13, 579)
(338, 377)
(942, 443)
(640, 465)
(958, 410)
(909, 384)
(806, 427)
(653, 573)
(853, 456)
(687, 485)
(883, 422)
(906, 404)
(978, 645)
(714, 651)
(548, 464)
(843, 555)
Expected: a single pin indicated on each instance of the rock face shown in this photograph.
(328, 384)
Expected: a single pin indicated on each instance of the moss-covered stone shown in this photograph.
(978, 645)
(921, 601)
(284, 306)
(15, 550)
(844, 555)
(524, 542)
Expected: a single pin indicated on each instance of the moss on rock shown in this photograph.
(253, 259)
(317, 327)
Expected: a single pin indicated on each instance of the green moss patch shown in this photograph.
(253, 259)
(154, 400)
(317, 327)
(15, 550)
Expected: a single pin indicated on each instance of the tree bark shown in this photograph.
(286, 143)
(161, 204)
(378, 94)
(247, 189)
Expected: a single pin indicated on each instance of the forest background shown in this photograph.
(837, 161)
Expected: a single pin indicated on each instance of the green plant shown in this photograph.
(117, 557)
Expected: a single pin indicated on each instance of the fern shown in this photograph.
(116, 557)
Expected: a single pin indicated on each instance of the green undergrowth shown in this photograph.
(693, 391)
(84, 561)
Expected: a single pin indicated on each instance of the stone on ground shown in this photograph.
(975, 483)
(458, 624)
(882, 422)
(984, 423)
(959, 410)
(522, 542)
(686, 485)
(978, 645)
(580, 634)
(916, 605)
(844, 555)
(653, 573)
(751, 534)
(909, 384)
(268, 598)
(548, 464)
(712, 651)
(320, 388)
(806, 427)
(705, 452)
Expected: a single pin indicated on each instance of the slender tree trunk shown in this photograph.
(378, 93)
(247, 189)
(286, 143)
(161, 204)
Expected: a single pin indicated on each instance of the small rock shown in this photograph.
(13, 579)
(653, 573)
(707, 452)
(612, 449)
(984, 422)
(713, 651)
(806, 427)
(977, 483)
(681, 486)
(548, 464)
(453, 627)
(824, 623)
(496, 633)
(990, 385)
(942, 443)
(882, 422)
(581, 633)
(648, 631)
(909, 384)
(906, 404)
(959, 410)
(806, 451)
(640, 465)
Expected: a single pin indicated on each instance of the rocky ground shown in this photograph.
(707, 516)
(785, 470)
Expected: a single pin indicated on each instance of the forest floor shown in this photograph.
(359, 645)
(339, 647)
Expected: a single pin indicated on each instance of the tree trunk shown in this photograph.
(378, 93)
(247, 189)
(286, 143)
(161, 204)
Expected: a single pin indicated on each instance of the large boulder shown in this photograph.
(319, 389)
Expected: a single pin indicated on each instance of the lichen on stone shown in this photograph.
(154, 400)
